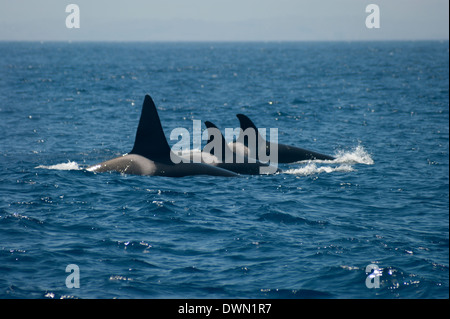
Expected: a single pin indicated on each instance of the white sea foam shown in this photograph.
(357, 156)
(312, 168)
(69, 166)
(344, 159)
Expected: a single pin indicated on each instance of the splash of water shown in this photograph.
(312, 168)
(345, 159)
(69, 166)
(358, 156)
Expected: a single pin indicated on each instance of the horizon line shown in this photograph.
(227, 41)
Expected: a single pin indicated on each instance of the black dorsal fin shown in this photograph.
(210, 126)
(150, 140)
(245, 122)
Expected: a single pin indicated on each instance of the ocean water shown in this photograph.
(382, 108)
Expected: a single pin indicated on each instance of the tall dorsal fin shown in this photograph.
(261, 142)
(150, 140)
(246, 123)
(210, 126)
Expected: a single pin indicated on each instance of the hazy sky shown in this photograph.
(224, 20)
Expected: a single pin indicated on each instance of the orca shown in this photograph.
(151, 154)
(286, 153)
(225, 157)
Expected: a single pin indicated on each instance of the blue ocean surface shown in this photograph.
(316, 230)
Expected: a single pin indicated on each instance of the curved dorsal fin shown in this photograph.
(245, 122)
(150, 140)
(210, 126)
